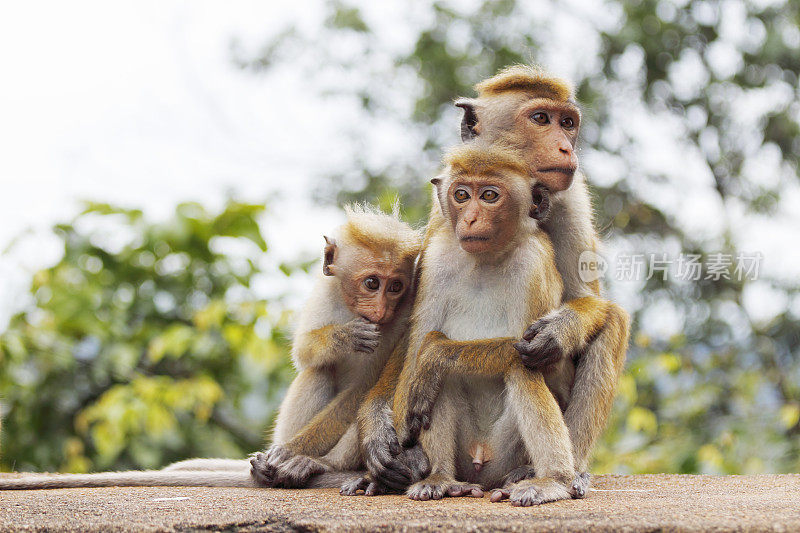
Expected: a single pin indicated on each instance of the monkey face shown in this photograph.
(373, 284)
(483, 212)
(548, 131)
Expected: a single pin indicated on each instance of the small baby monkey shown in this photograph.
(358, 311)
(357, 314)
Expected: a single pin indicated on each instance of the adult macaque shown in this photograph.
(357, 313)
(533, 112)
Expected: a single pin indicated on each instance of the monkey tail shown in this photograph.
(134, 478)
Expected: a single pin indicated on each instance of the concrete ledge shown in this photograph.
(618, 503)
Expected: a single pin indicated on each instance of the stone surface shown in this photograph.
(617, 503)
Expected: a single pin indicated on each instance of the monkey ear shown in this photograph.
(328, 255)
(540, 202)
(469, 121)
(437, 190)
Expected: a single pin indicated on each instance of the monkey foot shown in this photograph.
(264, 465)
(532, 492)
(436, 488)
(581, 484)
(260, 471)
(295, 472)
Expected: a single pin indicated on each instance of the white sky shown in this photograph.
(138, 103)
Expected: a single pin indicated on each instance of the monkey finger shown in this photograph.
(499, 495)
(414, 428)
(374, 489)
(522, 347)
(534, 329)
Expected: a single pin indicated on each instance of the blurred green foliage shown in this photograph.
(136, 354)
(143, 345)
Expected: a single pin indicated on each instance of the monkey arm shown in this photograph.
(438, 357)
(327, 345)
(325, 429)
(379, 443)
(596, 378)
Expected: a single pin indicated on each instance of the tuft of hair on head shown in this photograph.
(370, 227)
(475, 158)
(529, 79)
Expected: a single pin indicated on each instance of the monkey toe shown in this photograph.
(295, 473)
(426, 491)
(473, 491)
(351, 487)
(538, 491)
(499, 495)
(581, 484)
(374, 489)
(263, 475)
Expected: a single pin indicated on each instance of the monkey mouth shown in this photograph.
(569, 171)
(474, 238)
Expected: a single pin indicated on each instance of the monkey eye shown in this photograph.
(490, 196)
(461, 195)
(540, 117)
(396, 286)
(372, 283)
(568, 123)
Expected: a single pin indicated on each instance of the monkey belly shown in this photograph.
(484, 400)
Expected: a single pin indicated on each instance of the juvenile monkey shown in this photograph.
(534, 113)
(357, 313)
(487, 273)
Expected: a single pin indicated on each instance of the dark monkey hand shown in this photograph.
(382, 457)
(364, 335)
(546, 341)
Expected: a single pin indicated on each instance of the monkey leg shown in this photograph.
(439, 444)
(309, 393)
(596, 377)
(291, 463)
(546, 440)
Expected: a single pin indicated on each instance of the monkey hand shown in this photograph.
(547, 341)
(362, 335)
(422, 395)
(381, 455)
